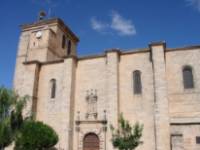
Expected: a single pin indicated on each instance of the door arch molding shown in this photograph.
(91, 142)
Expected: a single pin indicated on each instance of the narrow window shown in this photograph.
(69, 48)
(188, 77)
(63, 41)
(53, 88)
(137, 85)
(198, 140)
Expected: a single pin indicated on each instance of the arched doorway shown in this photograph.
(91, 142)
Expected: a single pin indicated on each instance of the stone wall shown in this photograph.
(132, 105)
(184, 103)
(183, 136)
(164, 106)
(90, 77)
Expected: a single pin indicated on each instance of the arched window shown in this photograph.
(69, 47)
(137, 84)
(188, 77)
(53, 88)
(63, 41)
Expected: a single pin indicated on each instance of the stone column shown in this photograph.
(67, 104)
(112, 84)
(161, 109)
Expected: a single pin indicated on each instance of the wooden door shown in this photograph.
(91, 142)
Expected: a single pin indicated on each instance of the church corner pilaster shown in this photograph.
(161, 106)
(68, 93)
(112, 84)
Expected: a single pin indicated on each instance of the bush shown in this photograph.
(7, 103)
(6, 135)
(128, 136)
(35, 136)
(25, 132)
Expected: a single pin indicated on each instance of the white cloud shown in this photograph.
(117, 24)
(98, 25)
(121, 25)
(194, 3)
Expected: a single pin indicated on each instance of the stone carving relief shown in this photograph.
(91, 123)
(91, 99)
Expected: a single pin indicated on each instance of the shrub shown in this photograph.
(6, 135)
(128, 136)
(35, 136)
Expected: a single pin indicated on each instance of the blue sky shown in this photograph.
(102, 24)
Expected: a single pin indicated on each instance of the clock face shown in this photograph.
(38, 34)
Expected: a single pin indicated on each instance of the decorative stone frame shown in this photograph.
(99, 131)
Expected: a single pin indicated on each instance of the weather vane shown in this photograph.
(42, 14)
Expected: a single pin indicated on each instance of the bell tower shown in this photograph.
(44, 41)
(47, 40)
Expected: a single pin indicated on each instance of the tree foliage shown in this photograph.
(23, 130)
(6, 135)
(16, 114)
(8, 105)
(7, 100)
(127, 137)
(35, 136)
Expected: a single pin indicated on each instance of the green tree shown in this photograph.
(24, 131)
(11, 106)
(6, 135)
(35, 136)
(127, 137)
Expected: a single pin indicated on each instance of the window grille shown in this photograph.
(188, 78)
(137, 85)
(53, 88)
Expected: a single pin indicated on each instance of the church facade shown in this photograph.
(80, 97)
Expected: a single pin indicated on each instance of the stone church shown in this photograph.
(80, 97)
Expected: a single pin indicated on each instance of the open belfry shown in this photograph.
(80, 97)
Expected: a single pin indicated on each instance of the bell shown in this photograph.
(42, 14)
